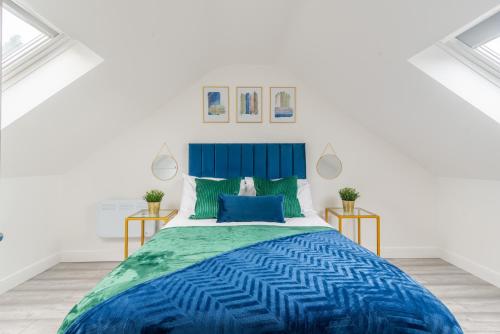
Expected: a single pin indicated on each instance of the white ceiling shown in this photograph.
(361, 57)
(354, 52)
(152, 49)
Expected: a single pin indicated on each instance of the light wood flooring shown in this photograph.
(40, 304)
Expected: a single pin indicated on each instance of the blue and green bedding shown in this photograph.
(257, 279)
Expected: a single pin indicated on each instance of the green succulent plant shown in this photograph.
(348, 194)
(154, 195)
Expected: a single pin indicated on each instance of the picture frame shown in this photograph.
(249, 104)
(282, 104)
(216, 104)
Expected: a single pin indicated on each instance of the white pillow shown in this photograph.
(303, 193)
(250, 187)
(304, 196)
(188, 200)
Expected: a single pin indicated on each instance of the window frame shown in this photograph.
(20, 63)
(476, 59)
(481, 59)
(490, 57)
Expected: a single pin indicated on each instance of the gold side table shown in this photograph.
(165, 215)
(358, 214)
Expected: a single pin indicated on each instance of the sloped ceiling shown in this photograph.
(354, 52)
(152, 49)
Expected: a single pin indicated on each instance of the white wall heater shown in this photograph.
(111, 219)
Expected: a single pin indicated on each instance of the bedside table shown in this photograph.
(358, 214)
(165, 215)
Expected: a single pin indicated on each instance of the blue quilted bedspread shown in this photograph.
(317, 282)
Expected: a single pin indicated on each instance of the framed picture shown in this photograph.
(282, 105)
(215, 104)
(249, 104)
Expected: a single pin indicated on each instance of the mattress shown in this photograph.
(309, 219)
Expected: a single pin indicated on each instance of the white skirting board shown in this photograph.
(472, 267)
(28, 272)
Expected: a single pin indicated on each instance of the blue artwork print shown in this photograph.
(213, 98)
(214, 104)
(249, 103)
(282, 105)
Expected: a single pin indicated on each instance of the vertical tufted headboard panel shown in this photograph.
(270, 161)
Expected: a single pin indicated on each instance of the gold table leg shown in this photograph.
(326, 215)
(378, 236)
(340, 225)
(142, 232)
(126, 239)
(359, 231)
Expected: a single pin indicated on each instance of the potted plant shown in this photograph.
(348, 196)
(154, 197)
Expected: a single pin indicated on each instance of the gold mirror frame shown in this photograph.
(162, 154)
(336, 160)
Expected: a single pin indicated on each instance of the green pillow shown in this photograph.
(207, 196)
(286, 187)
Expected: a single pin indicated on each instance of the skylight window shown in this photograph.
(468, 63)
(38, 60)
(26, 40)
(493, 46)
(18, 34)
(480, 46)
(491, 50)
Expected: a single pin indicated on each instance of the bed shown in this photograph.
(200, 276)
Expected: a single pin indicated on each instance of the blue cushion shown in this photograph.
(250, 208)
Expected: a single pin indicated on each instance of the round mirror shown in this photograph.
(164, 167)
(329, 166)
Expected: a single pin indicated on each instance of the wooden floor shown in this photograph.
(40, 304)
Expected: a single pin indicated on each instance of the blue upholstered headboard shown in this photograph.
(269, 161)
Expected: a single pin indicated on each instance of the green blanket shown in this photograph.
(173, 249)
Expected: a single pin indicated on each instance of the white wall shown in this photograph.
(29, 216)
(470, 227)
(390, 184)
